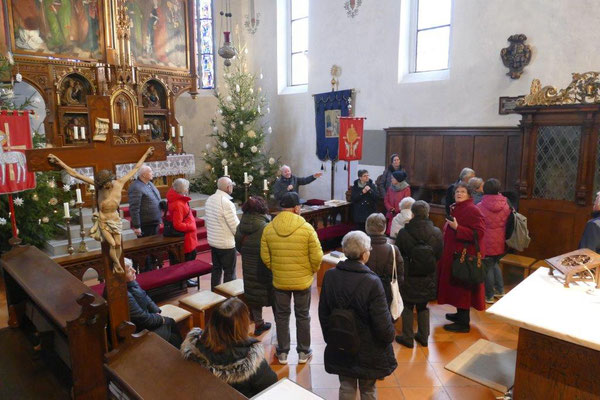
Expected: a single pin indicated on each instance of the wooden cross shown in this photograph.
(99, 156)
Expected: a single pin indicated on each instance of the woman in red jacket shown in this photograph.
(398, 190)
(495, 210)
(182, 217)
(464, 219)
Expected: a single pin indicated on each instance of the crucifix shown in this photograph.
(103, 156)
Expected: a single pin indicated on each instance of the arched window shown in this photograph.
(206, 43)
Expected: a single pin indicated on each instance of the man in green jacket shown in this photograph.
(291, 249)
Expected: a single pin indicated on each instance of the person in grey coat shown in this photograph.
(421, 245)
(258, 279)
(144, 200)
(289, 183)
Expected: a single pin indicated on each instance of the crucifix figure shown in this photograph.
(107, 221)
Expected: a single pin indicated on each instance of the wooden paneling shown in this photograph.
(513, 163)
(457, 154)
(404, 147)
(488, 153)
(428, 169)
(550, 368)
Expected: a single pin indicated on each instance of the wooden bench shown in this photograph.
(147, 367)
(168, 280)
(201, 305)
(62, 308)
(182, 317)
(515, 260)
(136, 249)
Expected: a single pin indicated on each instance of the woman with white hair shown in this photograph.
(351, 285)
(181, 215)
(403, 216)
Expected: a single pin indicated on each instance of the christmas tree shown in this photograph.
(239, 135)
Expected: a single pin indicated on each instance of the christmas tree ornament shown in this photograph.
(223, 162)
(215, 129)
(35, 197)
(45, 220)
(66, 188)
(228, 98)
(271, 161)
(251, 91)
(52, 184)
(254, 149)
(241, 145)
(18, 201)
(224, 145)
(2, 221)
(251, 134)
(237, 88)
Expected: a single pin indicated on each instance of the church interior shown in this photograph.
(120, 120)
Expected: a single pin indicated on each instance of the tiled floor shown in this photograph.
(420, 373)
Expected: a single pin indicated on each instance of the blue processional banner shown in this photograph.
(328, 107)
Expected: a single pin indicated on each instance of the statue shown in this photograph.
(150, 97)
(107, 221)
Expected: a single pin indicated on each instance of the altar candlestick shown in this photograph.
(67, 213)
(265, 185)
(76, 133)
(78, 194)
(83, 133)
(245, 177)
(180, 131)
(226, 172)
(172, 131)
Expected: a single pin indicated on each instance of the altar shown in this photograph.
(558, 354)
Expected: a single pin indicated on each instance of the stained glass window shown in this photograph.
(206, 43)
(557, 157)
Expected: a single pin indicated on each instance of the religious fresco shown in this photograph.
(158, 32)
(62, 28)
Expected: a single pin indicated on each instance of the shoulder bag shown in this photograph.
(397, 305)
(468, 268)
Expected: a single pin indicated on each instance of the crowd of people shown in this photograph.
(281, 256)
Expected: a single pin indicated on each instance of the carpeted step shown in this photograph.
(202, 245)
(201, 233)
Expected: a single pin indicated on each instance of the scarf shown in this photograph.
(400, 186)
(360, 184)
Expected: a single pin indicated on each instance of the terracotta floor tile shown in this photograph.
(427, 393)
(388, 381)
(416, 374)
(392, 393)
(478, 392)
(404, 354)
(441, 351)
(321, 379)
(449, 378)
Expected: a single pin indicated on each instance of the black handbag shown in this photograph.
(168, 228)
(468, 268)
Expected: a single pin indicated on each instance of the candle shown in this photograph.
(226, 172)
(265, 185)
(67, 213)
(172, 131)
(180, 131)
(78, 193)
(76, 133)
(82, 132)
(245, 177)
(139, 127)
(114, 126)
(118, 126)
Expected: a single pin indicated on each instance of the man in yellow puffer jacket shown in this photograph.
(291, 249)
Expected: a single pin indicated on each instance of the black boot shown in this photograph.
(452, 317)
(462, 322)
(422, 335)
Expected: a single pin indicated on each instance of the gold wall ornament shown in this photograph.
(583, 89)
(336, 71)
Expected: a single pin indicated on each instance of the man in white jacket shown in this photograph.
(221, 222)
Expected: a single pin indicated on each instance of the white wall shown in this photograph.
(561, 33)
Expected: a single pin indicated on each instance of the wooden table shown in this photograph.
(558, 354)
(136, 249)
(325, 215)
(327, 263)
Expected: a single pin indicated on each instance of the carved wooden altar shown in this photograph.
(118, 56)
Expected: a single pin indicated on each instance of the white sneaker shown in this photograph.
(490, 300)
(282, 358)
(304, 357)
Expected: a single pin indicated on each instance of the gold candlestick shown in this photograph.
(82, 246)
(70, 248)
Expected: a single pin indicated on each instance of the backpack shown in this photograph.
(343, 332)
(519, 239)
(421, 260)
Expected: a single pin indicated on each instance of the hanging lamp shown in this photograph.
(227, 51)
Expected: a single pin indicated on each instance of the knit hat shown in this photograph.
(399, 175)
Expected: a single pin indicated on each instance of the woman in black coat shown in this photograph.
(421, 245)
(258, 279)
(352, 285)
(226, 350)
(364, 198)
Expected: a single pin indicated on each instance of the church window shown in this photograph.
(431, 35)
(206, 43)
(298, 42)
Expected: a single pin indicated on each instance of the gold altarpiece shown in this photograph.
(140, 53)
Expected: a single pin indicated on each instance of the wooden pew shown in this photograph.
(136, 249)
(56, 302)
(147, 367)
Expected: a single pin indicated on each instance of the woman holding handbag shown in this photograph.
(463, 227)
(383, 255)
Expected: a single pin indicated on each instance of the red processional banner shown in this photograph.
(350, 139)
(15, 138)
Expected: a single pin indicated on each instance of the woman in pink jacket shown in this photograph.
(398, 190)
(495, 210)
